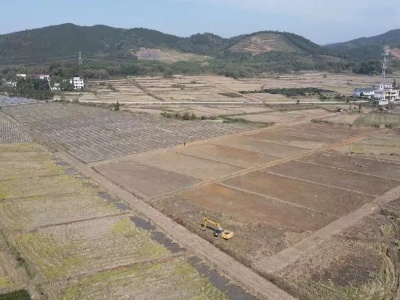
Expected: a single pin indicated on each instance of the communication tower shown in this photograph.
(385, 55)
(80, 58)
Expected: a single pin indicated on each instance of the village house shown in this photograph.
(78, 82)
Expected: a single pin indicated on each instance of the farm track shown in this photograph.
(144, 89)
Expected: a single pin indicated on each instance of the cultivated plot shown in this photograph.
(204, 169)
(11, 133)
(93, 134)
(268, 148)
(147, 180)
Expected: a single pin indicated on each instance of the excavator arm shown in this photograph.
(218, 230)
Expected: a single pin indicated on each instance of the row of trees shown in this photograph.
(33, 88)
(236, 66)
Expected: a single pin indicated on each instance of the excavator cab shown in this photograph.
(218, 230)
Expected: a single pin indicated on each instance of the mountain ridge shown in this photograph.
(66, 40)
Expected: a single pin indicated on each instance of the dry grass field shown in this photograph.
(74, 242)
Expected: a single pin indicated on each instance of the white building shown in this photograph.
(387, 95)
(382, 86)
(364, 92)
(44, 76)
(21, 75)
(78, 82)
(56, 87)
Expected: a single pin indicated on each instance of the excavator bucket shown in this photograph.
(227, 235)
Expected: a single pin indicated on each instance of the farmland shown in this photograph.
(213, 88)
(62, 226)
(115, 208)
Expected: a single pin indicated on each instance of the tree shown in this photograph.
(66, 85)
(394, 83)
(116, 107)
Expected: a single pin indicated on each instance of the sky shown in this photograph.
(321, 21)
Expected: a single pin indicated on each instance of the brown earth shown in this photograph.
(235, 156)
(335, 177)
(147, 180)
(186, 165)
(356, 164)
(323, 199)
(255, 208)
(251, 242)
(272, 149)
(282, 138)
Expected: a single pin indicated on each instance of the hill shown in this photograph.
(369, 48)
(109, 51)
(64, 41)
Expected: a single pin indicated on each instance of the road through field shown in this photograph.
(191, 241)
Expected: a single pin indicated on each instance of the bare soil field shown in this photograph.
(185, 89)
(268, 148)
(357, 182)
(286, 117)
(233, 156)
(73, 241)
(187, 165)
(356, 164)
(283, 137)
(255, 208)
(339, 119)
(147, 180)
(325, 200)
(252, 240)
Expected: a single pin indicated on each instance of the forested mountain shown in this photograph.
(108, 51)
(368, 48)
(65, 41)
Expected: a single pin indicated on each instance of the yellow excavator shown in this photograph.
(218, 230)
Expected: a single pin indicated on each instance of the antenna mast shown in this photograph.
(385, 55)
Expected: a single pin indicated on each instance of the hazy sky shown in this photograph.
(322, 21)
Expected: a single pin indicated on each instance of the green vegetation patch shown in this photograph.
(169, 280)
(376, 119)
(231, 95)
(17, 295)
(5, 282)
(88, 246)
(290, 92)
